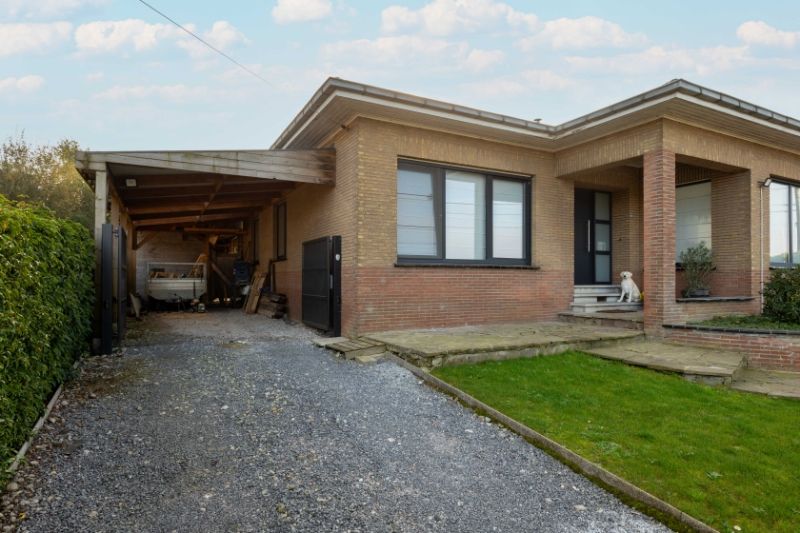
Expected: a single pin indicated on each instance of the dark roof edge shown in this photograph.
(677, 86)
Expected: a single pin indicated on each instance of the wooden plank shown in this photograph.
(167, 221)
(251, 306)
(180, 207)
(180, 191)
(219, 272)
(214, 231)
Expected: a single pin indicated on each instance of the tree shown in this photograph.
(46, 175)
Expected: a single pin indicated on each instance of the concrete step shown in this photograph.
(632, 320)
(594, 299)
(597, 290)
(604, 306)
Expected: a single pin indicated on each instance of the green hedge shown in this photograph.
(46, 303)
(782, 295)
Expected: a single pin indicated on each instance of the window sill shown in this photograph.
(466, 265)
(707, 299)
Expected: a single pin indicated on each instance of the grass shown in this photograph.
(748, 322)
(725, 457)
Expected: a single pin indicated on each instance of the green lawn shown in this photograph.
(725, 457)
(748, 322)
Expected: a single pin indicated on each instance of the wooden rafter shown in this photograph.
(200, 207)
(191, 219)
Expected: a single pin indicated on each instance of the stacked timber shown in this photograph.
(274, 306)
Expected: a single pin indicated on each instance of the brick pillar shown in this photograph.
(659, 240)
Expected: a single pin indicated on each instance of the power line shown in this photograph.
(206, 43)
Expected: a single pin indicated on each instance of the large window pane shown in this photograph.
(602, 268)
(602, 206)
(796, 225)
(507, 219)
(692, 216)
(779, 223)
(465, 215)
(416, 221)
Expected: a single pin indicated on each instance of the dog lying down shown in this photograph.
(629, 288)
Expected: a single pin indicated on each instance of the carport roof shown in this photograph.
(167, 188)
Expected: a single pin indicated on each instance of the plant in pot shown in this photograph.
(697, 266)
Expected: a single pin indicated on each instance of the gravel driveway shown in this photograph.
(228, 422)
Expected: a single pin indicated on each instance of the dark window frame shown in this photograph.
(279, 230)
(438, 173)
(791, 185)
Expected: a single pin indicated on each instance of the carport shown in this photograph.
(206, 197)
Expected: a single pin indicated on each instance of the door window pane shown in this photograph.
(465, 215)
(602, 237)
(779, 223)
(416, 221)
(602, 268)
(602, 206)
(507, 219)
(692, 216)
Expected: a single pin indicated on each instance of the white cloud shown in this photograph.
(136, 34)
(222, 35)
(95, 76)
(447, 17)
(757, 32)
(676, 61)
(44, 8)
(583, 32)
(111, 35)
(406, 50)
(21, 38)
(479, 60)
(287, 11)
(25, 84)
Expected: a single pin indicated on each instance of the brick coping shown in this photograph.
(707, 299)
(747, 331)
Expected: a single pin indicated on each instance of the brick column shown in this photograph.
(659, 240)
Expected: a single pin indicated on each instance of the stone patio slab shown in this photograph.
(700, 364)
(470, 344)
(770, 382)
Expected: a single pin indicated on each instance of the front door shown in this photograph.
(592, 237)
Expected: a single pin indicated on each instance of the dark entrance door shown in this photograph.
(592, 237)
(322, 280)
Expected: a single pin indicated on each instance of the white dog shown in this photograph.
(629, 288)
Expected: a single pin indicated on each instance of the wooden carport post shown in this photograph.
(100, 218)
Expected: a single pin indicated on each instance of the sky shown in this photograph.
(114, 75)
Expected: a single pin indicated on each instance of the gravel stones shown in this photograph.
(230, 422)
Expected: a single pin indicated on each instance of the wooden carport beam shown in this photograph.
(188, 207)
(305, 166)
(168, 221)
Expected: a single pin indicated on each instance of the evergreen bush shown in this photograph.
(46, 304)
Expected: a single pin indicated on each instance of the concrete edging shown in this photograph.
(23, 450)
(562, 453)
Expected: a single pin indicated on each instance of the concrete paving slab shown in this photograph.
(471, 344)
(687, 360)
(770, 382)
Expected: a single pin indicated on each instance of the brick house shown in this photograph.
(450, 215)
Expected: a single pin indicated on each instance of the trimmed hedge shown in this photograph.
(46, 304)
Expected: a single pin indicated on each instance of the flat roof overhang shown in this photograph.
(166, 189)
(338, 102)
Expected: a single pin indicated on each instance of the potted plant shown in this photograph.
(697, 266)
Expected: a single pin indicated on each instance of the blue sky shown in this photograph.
(112, 74)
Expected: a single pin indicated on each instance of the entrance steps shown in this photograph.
(600, 298)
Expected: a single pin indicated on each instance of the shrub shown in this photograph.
(46, 302)
(782, 296)
(697, 267)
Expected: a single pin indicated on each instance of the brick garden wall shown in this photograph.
(777, 352)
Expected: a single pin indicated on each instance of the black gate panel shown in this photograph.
(122, 282)
(321, 284)
(106, 288)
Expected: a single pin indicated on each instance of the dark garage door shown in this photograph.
(321, 290)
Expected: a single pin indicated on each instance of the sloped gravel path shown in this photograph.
(227, 422)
